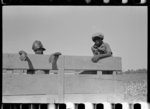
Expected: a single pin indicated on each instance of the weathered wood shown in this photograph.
(84, 62)
(84, 85)
(29, 84)
(12, 61)
(74, 88)
(52, 98)
(57, 86)
(92, 98)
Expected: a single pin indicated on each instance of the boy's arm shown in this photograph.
(23, 55)
(100, 56)
(96, 58)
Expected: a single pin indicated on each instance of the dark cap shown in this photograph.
(97, 36)
(37, 45)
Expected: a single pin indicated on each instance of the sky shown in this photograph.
(69, 29)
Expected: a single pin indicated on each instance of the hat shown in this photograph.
(37, 45)
(97, 36)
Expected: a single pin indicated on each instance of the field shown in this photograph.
(136, 87)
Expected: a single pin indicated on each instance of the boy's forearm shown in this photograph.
(104, 55)
(95, 58)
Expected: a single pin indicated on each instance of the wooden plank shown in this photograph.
(29, 84)
(92, 98)
(84, 62)
(31, 98)
(74, 98)
(12, 61)
(84, 85)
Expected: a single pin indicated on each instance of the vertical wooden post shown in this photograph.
(99, 73)
(61, 80)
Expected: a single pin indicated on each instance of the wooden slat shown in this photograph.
(92, 98)
(84, 62)
(87, 85)
(12, 61)
(52, 98)
(14, 85)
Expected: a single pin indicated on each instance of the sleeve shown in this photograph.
(108, 49)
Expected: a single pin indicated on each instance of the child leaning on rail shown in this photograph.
(38, 48)
(100, 49)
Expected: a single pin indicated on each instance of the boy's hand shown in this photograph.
(23, 55)
(95, 58)
(57, 54)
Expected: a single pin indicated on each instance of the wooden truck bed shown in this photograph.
(77, 80)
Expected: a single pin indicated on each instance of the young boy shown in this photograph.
(100, 49)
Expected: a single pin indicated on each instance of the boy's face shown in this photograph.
(39, 51)
(98, 42)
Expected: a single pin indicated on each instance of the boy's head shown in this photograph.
(37, 47)
(98, 39)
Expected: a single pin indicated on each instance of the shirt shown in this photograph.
(103, 49)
